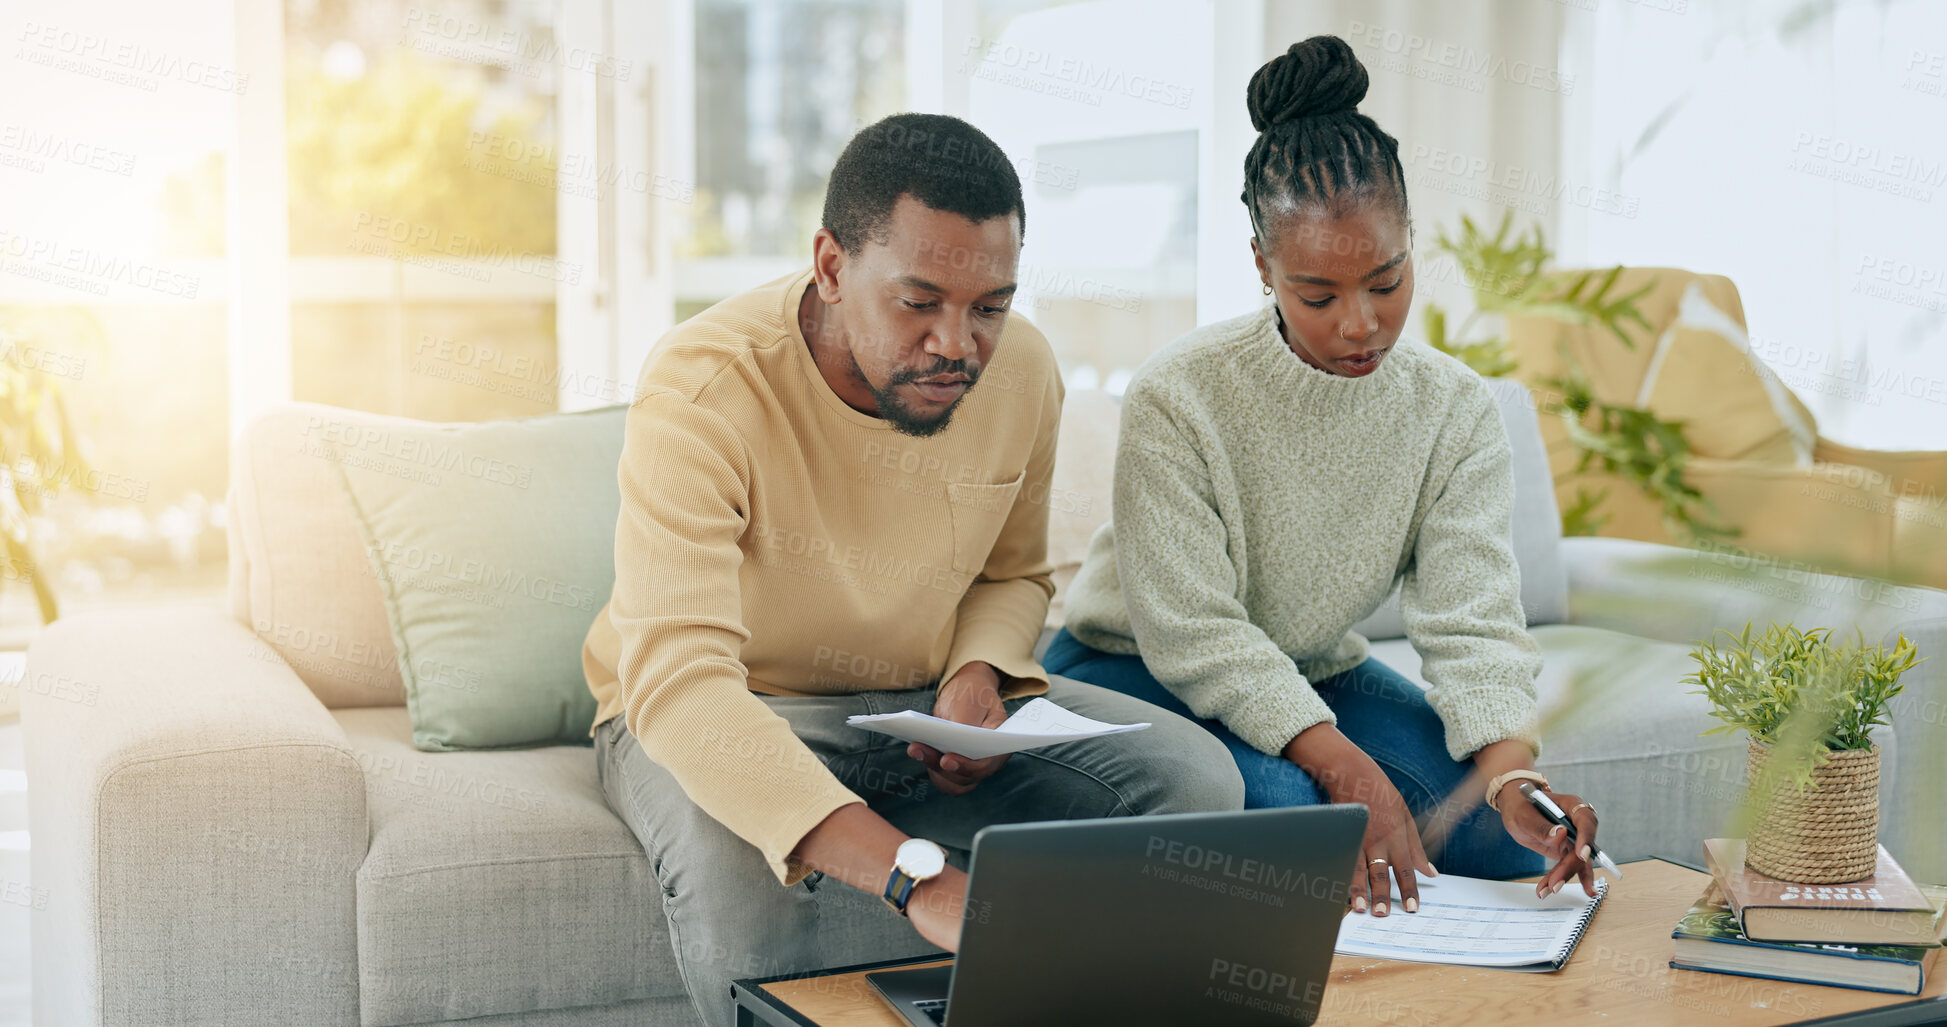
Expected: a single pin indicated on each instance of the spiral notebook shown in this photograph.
(1466, 921)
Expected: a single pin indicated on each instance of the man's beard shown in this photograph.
(904, 419)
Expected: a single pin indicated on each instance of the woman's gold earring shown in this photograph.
(1267, 288)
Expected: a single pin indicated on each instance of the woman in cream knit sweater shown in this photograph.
(1278, 474)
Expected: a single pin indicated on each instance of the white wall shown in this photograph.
(1800, 149)
(1473, 92)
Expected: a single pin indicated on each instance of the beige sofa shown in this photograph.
(233, 828)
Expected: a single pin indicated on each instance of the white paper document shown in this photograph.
(1471, 922)
(1038, 723)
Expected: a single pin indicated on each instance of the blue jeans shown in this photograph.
(1382, 712)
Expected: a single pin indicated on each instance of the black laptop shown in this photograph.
(1193, 918)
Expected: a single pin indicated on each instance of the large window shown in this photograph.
(780, 87)
(423, 166)
(1110, 125)
(112, 293)
(480, 203)
(1098, 110)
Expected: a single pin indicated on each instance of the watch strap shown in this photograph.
(899, 890)
(901, 882)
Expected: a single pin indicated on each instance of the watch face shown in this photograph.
(919, 858)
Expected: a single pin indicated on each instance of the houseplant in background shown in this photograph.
(1507, 275)
(1812, 811)
(39, 457)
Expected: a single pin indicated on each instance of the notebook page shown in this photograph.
(1470, 922)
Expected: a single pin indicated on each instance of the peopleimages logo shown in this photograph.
(1850, 162)
(1262, 988)
(340, 439)
(1464, 65)
(855, 566)
(20, 893)
(525, 53)
(1225, 864)
(42, 359)
(1901, 281)
(1070, 78)
(88, 270)
(429, 570)
(470, 256)
(119, 61)
(29, 149)
(519, 375)
(574, 174)
(1510, 185)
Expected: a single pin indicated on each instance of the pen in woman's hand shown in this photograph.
(1555, 816)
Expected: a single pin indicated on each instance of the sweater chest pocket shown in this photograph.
(978, 512)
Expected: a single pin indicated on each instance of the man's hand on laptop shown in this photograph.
(970, 696)
(938, 908)
(857, 846)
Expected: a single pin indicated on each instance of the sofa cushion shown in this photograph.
(669, 1011)
(298, 568)
(493, 560)
(497, 883)
(1621, 729)
(1703, 373)
(1536, 525)
(1083, 486)
(1084, 480)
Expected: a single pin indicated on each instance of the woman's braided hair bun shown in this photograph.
(1313, 146)
(1315, 77)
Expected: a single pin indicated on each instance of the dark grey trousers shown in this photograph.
(728, 916)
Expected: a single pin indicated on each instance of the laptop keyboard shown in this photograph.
(935, 1009)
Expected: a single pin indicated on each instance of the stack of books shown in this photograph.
(1880, 934)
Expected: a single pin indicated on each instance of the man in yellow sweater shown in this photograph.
(834, 502)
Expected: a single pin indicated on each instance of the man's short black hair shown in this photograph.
(942, 161)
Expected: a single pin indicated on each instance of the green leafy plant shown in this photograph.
(1635, 445)
(1579, 518)
(39, 457)
(1508, 276)
(1799, 692)
(1488, 357)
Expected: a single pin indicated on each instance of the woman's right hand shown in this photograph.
(1392, 839)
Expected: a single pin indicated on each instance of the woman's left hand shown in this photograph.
(1527, 826)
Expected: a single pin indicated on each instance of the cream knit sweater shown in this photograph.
(1263, 507)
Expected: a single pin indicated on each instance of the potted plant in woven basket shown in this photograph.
(1812, 811)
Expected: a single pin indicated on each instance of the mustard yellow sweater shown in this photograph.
(772, 539)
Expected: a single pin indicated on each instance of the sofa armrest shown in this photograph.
(196, 819)
(1842, 518)
(1921, 473)
(1685, 595)
(1919, 716)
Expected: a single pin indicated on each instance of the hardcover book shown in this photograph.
(1884, 909)
(1708, 939)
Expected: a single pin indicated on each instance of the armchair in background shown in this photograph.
(1757, 455)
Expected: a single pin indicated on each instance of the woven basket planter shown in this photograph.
(1825, 834)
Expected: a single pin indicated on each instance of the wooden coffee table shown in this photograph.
(1620, 974)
